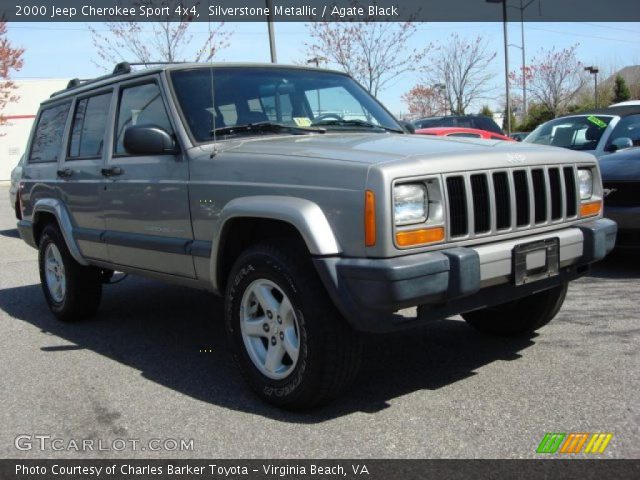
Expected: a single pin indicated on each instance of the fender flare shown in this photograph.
(304, 215)
(59, 211)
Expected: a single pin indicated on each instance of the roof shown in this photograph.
(621, 111)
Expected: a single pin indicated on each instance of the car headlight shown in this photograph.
(410, 204)
(585, 179)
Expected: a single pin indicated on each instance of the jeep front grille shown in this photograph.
(483, 203)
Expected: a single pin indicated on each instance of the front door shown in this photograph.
(146, 199)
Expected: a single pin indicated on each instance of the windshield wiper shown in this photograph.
(265, 127)
(355, 123)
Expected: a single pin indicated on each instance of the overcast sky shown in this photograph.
(64, 50)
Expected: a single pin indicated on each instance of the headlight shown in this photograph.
(410, 204)
(585, 178)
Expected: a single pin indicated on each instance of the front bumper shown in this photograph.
(453, 280)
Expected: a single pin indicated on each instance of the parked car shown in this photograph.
(313, 228)
(14, 188)
(599, 132)
(519, 136)
(625, 103)
(621, 181)
(479, 122)
(463, 133)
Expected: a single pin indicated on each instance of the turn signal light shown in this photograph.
(369, 218)
(423, 236)
(590, 209)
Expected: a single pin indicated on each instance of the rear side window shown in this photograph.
(89, 125)
(47, 140)
(140, 105)
(486, 123)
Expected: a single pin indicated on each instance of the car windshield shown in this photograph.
(214, 100)
(577, 133)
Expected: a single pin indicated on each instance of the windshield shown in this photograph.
(576, 133)
(286, 96)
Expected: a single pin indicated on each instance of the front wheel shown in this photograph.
(520, 317)
(293, 347)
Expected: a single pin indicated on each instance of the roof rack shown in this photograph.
(121, 68)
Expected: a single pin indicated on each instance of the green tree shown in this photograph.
(486, 111)
(536, 115)
(620, 90)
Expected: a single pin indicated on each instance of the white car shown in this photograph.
(626, 104)
(599, 132)
(16, 175)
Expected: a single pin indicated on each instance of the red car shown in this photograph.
(463, 132)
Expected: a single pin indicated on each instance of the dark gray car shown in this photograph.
(621, 181)
(300, 199)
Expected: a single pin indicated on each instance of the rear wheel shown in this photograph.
(72, 291)
(520, 317)
(293, 347)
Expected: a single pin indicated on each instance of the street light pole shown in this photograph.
(593, 70)
(272, 37)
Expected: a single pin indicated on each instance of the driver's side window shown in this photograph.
(140, 105)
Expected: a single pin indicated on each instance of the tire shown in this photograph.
(72, 291)
(328, 352)
(520, 317)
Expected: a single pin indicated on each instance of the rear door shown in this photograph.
(146, 197)
(80, 177)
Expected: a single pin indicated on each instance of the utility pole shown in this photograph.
(506, 60)
(272, 37)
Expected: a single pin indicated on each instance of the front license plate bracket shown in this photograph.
(532, 252)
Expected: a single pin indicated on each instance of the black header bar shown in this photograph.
(318, 10)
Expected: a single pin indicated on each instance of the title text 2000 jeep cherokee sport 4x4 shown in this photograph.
(297, 196)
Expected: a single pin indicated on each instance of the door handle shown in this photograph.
(65, 173)
(112, 172)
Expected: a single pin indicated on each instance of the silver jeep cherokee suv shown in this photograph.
(298, 197)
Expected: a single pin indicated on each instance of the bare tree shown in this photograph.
(374, 53)
(463, 66)
(10, 61)
(423, 101)
(554, 78)
(166, 41)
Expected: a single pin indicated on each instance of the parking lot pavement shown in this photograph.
(139, 370)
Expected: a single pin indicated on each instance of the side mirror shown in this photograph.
(408, 126)
(148, 140)
(620, 143)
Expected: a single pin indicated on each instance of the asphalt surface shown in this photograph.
(138, 370)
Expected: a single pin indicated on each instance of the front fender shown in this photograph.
(306, 216)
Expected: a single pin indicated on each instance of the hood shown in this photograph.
(367, 148)
(621, 166)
